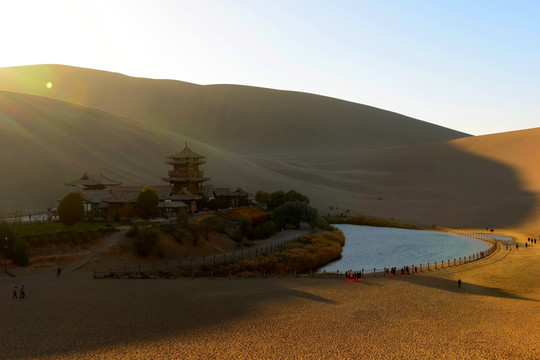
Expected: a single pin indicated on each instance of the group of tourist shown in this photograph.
(392, 272)
(22, 294)
(353, 275)
(529, 241)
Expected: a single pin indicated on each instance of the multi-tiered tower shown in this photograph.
(186, 175)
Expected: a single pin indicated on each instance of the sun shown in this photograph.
(49, 85)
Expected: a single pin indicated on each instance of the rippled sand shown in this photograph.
(495, 315)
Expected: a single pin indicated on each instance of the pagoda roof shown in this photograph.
(93, 180)
(186, 153)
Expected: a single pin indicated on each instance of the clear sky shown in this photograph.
(471, 65)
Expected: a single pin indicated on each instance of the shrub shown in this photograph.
(237, 236)
(264, 231)
(133, 232)
(245, 226)
(20, 252)
(180, 234)
(13, 247)
(145, 241)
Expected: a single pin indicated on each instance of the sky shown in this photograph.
(472, 66)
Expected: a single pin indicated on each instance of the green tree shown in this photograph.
(293, 195)
(71, 209)
(275, 199)
(294, 212)
(262, 197)
(147, 202)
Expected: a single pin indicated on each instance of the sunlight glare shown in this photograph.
(49, 85)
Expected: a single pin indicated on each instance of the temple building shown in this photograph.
(185, 191)
(105, 197)
(186, 178)
(186, 175)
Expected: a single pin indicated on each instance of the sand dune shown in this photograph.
(239, 119)
(369, 161)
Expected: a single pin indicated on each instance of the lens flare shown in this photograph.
(49, 85)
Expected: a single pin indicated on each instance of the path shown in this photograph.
(110, 241)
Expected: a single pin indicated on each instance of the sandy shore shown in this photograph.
(495, 315)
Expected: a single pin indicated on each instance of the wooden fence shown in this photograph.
(187, 265)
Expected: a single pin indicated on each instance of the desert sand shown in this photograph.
(495, 315)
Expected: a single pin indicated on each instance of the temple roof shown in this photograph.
(122, 194)
(95, 196)
(186, 153)
(239, 192)
(184, 194)
(93, 180)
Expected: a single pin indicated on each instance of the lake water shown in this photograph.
(371, 247)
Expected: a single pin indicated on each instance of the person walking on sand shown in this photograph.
(58, 271)
(14, 293)
(22, 294)
(459, 283)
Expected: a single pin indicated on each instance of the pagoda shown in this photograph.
(186, 177)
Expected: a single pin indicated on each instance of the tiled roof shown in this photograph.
(93, 180)
(172, 204)
(122, 194)
(186, 153)
(184, 194)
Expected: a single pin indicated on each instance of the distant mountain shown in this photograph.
(241, 119)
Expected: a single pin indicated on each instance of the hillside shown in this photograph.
(471, 181)
(44, 142)
(240, 119)
(477, 181)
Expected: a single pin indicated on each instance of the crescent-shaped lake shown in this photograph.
(371, 247)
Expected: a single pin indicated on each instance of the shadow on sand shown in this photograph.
(451, 286)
